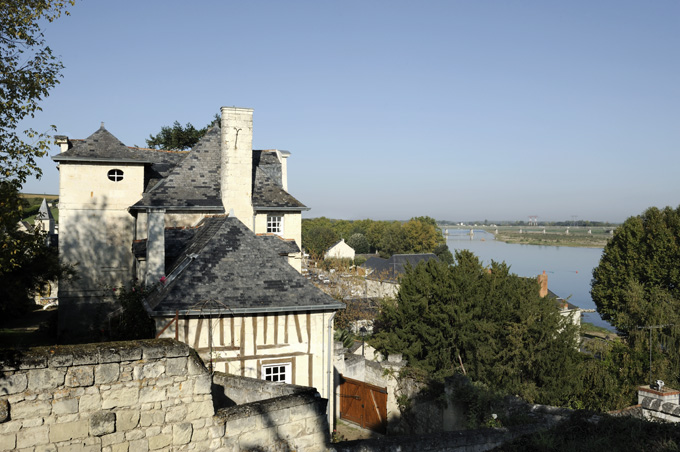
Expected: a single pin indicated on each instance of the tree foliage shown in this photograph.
(27, 264)
(418, 235)
(179, 137)
(637, 285)
(133, 322)
(317, 240)
(359, 243)
(28, 71)
(637, 282)
(489, 322)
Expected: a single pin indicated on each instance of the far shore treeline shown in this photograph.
(417, 235)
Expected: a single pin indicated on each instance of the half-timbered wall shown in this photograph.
(242, 345)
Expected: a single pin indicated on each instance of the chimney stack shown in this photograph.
(237, 163)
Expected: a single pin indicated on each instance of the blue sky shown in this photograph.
(460, 110)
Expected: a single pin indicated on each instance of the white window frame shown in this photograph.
(275, 224)
(278, 372)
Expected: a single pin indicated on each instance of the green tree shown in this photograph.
(421, 235)
(26, 263)
(443, 253)
(359, 242)
(637, 285)
(489, 322)
(179, 137)
(317, 240)
(637, 282)
(29, 71)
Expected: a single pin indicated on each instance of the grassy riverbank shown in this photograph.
(552, 236)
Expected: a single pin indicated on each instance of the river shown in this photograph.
(569, 269)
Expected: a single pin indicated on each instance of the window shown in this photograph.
(115, 175)
(277, 372)
(275, 224)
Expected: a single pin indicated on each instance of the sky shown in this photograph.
(459, 110)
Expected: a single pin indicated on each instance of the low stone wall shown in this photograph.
(463, 441)
(293, 422)
(125, 396)
(259, 412)
(144, 396)
(230, 390)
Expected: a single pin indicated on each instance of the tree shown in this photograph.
(318, 239)
(637, 285)
(177, 137)
(28, 71)
(487, 323)
(421, 235)
(637, 282)
(444, 254)
(26, 262)
(359, 242)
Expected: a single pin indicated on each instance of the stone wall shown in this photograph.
(142, 396)
(465, 441)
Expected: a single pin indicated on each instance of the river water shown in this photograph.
(569, 269)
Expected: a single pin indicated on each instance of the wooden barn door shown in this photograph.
(363, 404)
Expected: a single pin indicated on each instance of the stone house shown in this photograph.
(216, 230)
(341, 250)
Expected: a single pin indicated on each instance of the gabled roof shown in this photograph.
(194, 183)
(44, 213)
(226, 269)
(561, 301)
(390, 269)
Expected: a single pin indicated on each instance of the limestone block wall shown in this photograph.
(124, 396)
(270, 416)
(145, 396)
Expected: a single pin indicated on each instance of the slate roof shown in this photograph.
(186, 179)
(194, 183)
(44, 213)
(560, 301)
(227, 269)
(279, 244)
(103, 147)
(390, 269)
(270, 195)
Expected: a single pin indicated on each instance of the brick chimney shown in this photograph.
(237, 163)
(543, 281)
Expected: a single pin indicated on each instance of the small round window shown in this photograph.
(115, 175)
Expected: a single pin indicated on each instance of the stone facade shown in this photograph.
(145, 396)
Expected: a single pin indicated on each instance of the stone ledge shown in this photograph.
(87, 354)
(310, 397)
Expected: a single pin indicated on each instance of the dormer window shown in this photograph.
(115, 175)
